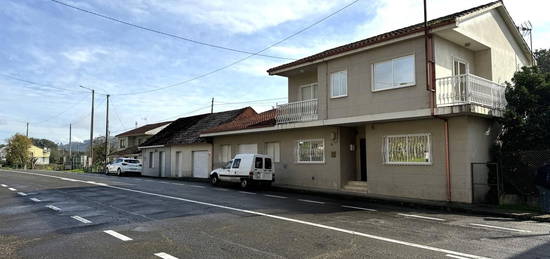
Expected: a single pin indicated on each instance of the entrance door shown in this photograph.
(363, 158)
(161, 163)
(200, 164)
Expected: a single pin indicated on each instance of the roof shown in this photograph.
(143, 129)
(187, 130)
(264, 119)
(419, 27)
(127, 151)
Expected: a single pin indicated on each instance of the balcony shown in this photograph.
(297, 111)
(469, 89)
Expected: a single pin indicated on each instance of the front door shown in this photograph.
(363, 158)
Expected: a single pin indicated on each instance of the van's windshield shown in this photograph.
(228, 165)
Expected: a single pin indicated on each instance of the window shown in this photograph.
(236, 163)
(151, 164)
(339, 84)
(132, 161)
(308, 92)
(272, 149)
(122, 143)
(225, 153)
(311, 151)
(407, 149)
(268, 164)
(395, 73)
(259, 163)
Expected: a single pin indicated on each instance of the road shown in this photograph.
(71, 215)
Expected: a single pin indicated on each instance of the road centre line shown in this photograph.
(196, 186)
(35, 200)
(357, 208)
(12, 189)
(502, 228)
(420, 217)
(164, 255)
(311, 201)
(247, 192)
(303, 222)
(81, 219)
(118, 235)
(53, 207)
(22, 193)
(3, 185)
(275, 196)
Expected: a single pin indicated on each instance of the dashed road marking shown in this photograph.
(81, 219)
(275, 196)
(22, 193)
(53, 207)
(196, 186)
(501, 228)
(12, 189)
(247, 192)
(118, 235)
(358, 208)
(303, 222)
(221, 189)
(35, 200)
(419, 217)
(311, 201)
(456, 256)
(3, 185)
(165, 256)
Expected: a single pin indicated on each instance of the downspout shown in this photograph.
(430, 87)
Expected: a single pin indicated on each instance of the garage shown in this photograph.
(200, 164)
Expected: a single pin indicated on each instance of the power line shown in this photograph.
(252, 101)
(61, 113)
(247, 57)
(39, 84)
(163, 33)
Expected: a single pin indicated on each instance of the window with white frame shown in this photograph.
(225, 153)
(408, 149)
(339, 84)
(272, 149)
(308, 92)
(395, 73)
(311, 151)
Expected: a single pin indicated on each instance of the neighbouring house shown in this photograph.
(377, 117)
(127, 142)
(40, 156)
(179, 151)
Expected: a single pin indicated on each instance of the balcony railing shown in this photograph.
(469, 89)
(297, 111)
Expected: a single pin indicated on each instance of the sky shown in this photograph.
(56, 49)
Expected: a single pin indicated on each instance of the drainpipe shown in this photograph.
(430, 87)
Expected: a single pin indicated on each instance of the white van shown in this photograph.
(246, 169)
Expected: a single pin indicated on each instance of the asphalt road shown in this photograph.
(71, 215)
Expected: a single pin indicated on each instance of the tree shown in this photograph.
(18, 150)
(99, 152)
(542, 56)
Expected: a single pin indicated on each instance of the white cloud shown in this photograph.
(84, 55)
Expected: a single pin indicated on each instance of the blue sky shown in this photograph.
(50, 44)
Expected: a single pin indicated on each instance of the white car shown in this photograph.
(246, 169)
(123, 165)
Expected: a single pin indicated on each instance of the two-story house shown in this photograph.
(401, 114)
(127, 142)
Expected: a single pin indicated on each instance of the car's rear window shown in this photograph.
(132, 161)
(259, 163)
(267, 163)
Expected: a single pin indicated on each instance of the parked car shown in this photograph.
(245, 169)
(123, 165)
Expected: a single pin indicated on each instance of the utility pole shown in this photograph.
(212, 106)
(91, 155)
(27, 130)
(107, 132)
(71, 145)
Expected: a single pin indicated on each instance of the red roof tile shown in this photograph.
(264, 119)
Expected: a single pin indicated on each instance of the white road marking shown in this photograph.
(247, 192)
(197, 186)
(35, 200)
(456, 256)
(221, 189)
(275, 196)
(165, 256)
(69, 179)
(310, 201)
(53, 207)
(22, 193)
(303, 222)
(12, 189)
(118, 235)
(357, 208)
(81, 219)
(3, 185)
(420, 217)
(502, 228)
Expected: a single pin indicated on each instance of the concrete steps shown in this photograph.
(356, 186)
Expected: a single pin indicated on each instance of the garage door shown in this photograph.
(200, 164)
(248, 148)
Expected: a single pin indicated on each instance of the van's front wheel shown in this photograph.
(214, 180)
(244, 183)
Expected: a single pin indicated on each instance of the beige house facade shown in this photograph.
(367, 118)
